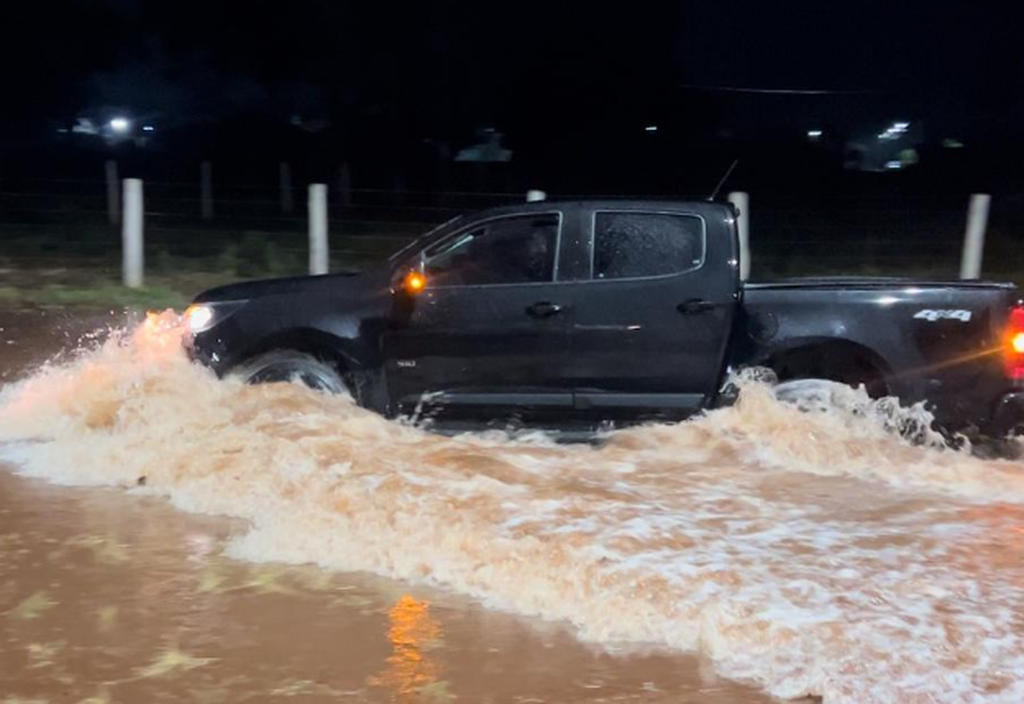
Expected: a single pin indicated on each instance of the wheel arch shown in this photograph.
(344, 354)
(835, 359)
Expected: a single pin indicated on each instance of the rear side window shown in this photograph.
(628, 245)
(512, 250)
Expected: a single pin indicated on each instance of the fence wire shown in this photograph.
(64, 225)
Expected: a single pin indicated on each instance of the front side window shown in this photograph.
(512, 250)
(630, 245)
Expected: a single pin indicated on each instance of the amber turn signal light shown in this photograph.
(414, 282)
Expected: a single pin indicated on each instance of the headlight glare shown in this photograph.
(200, 317)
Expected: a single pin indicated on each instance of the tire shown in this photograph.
(819, 395)
(824, 364)
(290, 366)
(809, 393)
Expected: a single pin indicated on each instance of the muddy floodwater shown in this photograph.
(166, 536)
(109, 598)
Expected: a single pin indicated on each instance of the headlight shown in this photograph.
(200, 317)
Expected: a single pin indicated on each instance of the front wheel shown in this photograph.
(289, 366)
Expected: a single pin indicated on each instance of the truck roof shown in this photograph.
(617, 202)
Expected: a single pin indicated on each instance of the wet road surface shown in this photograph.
(107, 597)
(807, 553)
(112, 598)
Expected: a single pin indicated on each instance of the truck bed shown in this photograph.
(940, 341)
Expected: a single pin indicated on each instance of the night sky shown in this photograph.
(544, 74)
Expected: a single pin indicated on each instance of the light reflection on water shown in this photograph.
(413, 634)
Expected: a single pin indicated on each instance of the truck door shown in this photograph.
(490, 330)
(653, 320)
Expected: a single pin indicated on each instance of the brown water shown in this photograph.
(111, 598)
(807, 553)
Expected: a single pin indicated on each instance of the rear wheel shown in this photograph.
(824, 364)
(290, 365)
(821, 395)
(809, 392)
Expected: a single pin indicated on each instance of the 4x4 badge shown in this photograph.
(964, 316)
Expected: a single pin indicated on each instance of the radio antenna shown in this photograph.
(728, 173)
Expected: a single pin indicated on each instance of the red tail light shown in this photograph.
(1013, 344)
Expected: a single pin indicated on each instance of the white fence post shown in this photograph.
(206, 189)
(132, 234)
(534, 196)
(318, 248)
(113, 192)
(742, 202)
(287, 202)
(974, 237)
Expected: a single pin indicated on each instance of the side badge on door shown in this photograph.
(406, 363)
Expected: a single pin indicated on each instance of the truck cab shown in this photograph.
(611, 307)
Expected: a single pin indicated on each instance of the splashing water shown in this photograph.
(812, 552)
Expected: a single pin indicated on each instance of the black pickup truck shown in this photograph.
(609, 310)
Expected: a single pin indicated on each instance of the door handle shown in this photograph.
(695, 305)
(543, 309)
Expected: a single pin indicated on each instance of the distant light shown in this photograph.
(120, 124)
(894, 132)
(148, 128)
(651, 128)
(815, 134)
(893, 165)
(950, 143)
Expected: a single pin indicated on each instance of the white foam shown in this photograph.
(814, 553)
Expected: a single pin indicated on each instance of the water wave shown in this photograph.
(811, 551)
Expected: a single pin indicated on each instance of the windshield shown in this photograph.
(423, 239)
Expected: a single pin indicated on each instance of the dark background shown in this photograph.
(388, 87)
(395, 90)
